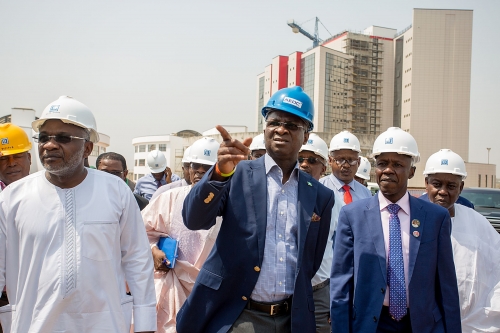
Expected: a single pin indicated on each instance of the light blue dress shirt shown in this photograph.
(357, 190)
(277, 275)
(146, 186)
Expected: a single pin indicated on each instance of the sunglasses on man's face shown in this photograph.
(197, 166)
(311, 160)
(59, 138)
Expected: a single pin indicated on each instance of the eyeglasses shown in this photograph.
(341, 162)
(59, 138)
(310, 160)
(197, 166)
(114, 173)
(287, 126)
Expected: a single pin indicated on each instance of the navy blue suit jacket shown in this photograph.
(359, 274)
(228, 276)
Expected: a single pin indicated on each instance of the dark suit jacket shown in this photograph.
(229, 275)
(359, 273)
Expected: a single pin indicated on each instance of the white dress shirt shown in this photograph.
(65, 255)
(404, 219)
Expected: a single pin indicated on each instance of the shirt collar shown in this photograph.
(338, 183)
(270, 164)
(404, 202)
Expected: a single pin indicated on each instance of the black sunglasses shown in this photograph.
(289, 126)
(59, 138)
(197, 166)
(310, 160)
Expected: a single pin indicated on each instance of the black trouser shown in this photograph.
(388, 325)
(3, 301)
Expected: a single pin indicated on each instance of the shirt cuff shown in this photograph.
(144, 318)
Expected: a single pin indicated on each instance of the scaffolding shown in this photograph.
(365, 82)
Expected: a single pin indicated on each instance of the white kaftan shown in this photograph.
(476, 252)
(162, 217)
(65, 255)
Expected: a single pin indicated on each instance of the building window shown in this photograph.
(479, 180)
(142, 162)
(486, 180)
(136, 163)
(95, 151)
(151, 147)
(142, 148)
(136, 148)
(307, 75)
(162, 147)
(140, 176)
(102, 150)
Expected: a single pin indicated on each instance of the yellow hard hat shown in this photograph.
(13, 140)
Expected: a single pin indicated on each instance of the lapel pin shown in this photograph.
(416, 233)
(309, 183)
(415, 224)
(209, 198)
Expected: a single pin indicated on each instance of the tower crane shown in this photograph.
(296, 28)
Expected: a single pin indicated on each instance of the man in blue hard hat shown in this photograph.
(273, 234)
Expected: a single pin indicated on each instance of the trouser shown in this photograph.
(388, 325)
(321, 297)
(253, 321)
(3, 301)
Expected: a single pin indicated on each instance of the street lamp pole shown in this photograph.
(488, 155)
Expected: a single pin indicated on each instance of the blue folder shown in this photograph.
(169, 246)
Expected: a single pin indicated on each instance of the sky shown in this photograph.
(155, 67)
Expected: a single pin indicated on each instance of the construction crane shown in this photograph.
(296, 28)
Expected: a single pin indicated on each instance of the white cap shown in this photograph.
(69, 111)
(204, 151)
(186, 158)
(445, 161)
(317, 145)
(364, 169)
(345, 140)
(395, 140)
(157, 161)
(258, 143)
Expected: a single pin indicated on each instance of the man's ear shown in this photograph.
(89, 145)
(306, 137)
(29, 157)
(412, 172)
(461, 187)
(125, 173)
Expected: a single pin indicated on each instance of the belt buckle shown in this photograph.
(273, 312)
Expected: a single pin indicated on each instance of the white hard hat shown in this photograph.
(157, 161)
(258, 143)
(395, 140)
(69, 111)
(345, 140)
(364, 169)
(445, 161)
(317, 145)
(186, 158)
(204, 151)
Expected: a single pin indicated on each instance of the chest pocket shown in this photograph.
(98, 238)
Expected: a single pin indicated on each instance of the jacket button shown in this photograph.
(382, 290)
(374, 319)
(244, 298)
(256, 268)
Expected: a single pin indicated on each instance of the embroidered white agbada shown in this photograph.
(65, 255)
(476, 252)
(163, 217)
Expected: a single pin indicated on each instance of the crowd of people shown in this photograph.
(258, 238)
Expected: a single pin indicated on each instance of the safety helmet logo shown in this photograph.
(444, 162)
(157, 165)
(346, 140)
(292, 101)
(5, 141)
(365, 170)
(389, 141)
(206, 152)
(310, 142)
(54, 108)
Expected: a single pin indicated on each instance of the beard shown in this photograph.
(69, 167)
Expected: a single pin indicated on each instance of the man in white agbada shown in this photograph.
(163, 217)
(70, 237)
(476, 245)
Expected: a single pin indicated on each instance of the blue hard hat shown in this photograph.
(292, 100)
